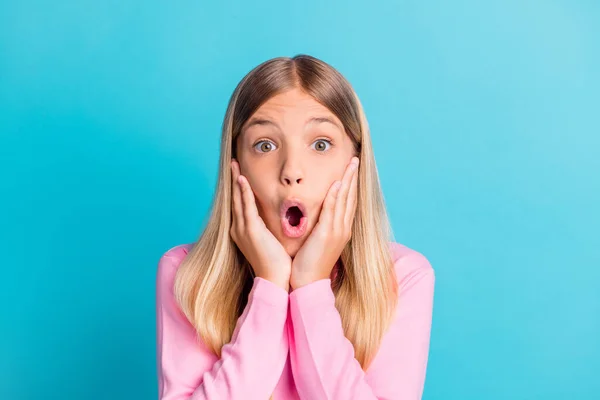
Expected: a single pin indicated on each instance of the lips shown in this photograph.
(294, 218)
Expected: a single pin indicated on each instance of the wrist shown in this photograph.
(281, 282)
(298, 283)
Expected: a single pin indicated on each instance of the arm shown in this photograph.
(322, 358)
(250, 364)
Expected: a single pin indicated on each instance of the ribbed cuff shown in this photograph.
(315, 293)
(270, 293)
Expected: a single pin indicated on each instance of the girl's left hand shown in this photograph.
(318, 255)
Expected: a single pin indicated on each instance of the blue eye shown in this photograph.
(322, 147)
(264, 145)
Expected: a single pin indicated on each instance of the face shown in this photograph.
(291, 151)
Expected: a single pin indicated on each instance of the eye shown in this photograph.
(264, 146)
(321, 147)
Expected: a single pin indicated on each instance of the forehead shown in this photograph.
(293, 107)
(293, 99)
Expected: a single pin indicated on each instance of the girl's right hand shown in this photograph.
(264, 252)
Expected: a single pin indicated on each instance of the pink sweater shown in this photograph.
(293, 345)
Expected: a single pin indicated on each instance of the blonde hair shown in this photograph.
(213, 281)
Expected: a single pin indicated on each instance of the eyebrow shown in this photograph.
(317, 120)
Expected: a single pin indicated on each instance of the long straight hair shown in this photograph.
(213, 282)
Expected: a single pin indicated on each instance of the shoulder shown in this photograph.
(178, 252)
(170, 261)
(410, 264)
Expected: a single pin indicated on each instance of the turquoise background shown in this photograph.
(485, 118)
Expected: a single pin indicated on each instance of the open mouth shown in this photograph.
(293, 215)
(294, 219)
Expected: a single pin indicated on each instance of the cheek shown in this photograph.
(263, 195)
(326, 181)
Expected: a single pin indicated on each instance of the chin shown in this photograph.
(292, 247)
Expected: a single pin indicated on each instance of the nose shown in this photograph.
(291, 171)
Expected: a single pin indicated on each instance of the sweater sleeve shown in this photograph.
(322, 358)
(250, 364)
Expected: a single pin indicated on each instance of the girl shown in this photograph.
(295, 289)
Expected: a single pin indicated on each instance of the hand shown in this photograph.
(264, 252)
(318, 255)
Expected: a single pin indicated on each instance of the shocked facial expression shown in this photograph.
(291, 150)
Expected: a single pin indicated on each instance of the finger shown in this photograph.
(327, 211)
(352, 200)
(238, 213)
(342, 198)
(249, 204)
